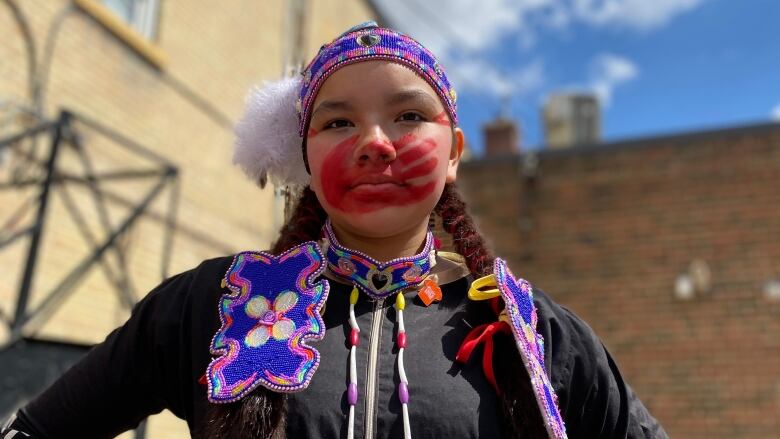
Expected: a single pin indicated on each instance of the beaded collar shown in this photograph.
(378, 280)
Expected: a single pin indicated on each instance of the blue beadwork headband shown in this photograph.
(367, 42)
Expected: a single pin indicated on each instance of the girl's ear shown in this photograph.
(458, 141)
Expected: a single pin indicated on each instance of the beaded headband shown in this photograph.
(269, 134)
(366, 42)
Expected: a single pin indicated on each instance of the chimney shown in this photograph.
(571, 119)
(501, 137)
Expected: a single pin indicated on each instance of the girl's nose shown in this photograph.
(376, 148)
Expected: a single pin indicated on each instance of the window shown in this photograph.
(135, 22)
(141, 15)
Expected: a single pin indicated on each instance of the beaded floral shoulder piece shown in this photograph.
(520, 308)
(269, 315)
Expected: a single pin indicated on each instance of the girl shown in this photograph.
(245, 346)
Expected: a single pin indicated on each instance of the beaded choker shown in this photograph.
(378, 280)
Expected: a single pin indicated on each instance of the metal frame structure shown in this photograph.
(51, 179)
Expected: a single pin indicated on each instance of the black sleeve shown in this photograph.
(120, 381)
(593, 398)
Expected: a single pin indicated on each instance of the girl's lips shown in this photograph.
(376, 180)
(377, 189)
(377, 193)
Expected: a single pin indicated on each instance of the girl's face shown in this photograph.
(380, 148)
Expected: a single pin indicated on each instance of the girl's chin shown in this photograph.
(383, 221)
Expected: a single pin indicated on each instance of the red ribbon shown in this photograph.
(483, 334)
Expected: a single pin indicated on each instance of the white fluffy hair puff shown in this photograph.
(267, 142)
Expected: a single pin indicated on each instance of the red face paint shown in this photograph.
(412, 154)
(442, 118)
(420, 170)
(312, 132)
(362, 187)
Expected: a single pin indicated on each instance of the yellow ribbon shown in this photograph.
(484, 288)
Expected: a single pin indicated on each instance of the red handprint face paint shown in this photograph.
(354, 181)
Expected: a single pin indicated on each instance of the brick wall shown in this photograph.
(215, 52)
(606, 230)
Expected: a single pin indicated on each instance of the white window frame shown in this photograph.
(141, 15)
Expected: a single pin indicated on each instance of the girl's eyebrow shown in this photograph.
(403, 96)
(332, 106)
(414, 94)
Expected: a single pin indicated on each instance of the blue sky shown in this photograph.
(658, 66)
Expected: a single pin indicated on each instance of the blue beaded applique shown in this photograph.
(271, 312)
(519, 300)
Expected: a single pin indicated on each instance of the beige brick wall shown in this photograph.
(218, 51)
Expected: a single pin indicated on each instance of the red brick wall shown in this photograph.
(606, 231)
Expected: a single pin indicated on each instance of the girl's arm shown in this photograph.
(121, 381)
(594, 399)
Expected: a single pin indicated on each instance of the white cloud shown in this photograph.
(444, 25)
(462, 34)
(775, 113)
(636, 14)
(607, 71)
(459, 34)
(476, 75)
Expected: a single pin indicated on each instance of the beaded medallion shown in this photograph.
(271, 313)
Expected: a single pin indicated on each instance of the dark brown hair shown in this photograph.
(261, 414)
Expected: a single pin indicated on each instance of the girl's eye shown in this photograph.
(411, 117)
(338, 123)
